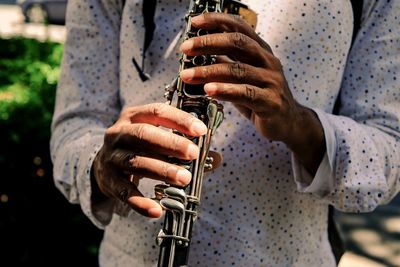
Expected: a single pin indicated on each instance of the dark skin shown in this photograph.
(246, 74)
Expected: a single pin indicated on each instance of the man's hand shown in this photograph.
(251, 77)
(135, 147)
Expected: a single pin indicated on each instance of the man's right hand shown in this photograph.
(135, 147)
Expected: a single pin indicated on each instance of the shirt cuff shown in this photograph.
(323, 181)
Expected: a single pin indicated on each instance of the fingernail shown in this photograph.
(187, 45)
(184, 176)
(199, 128)
(155, 212)
(187, 74)
(193, 151)
(210, 89)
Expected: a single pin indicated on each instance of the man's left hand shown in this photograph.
(251, 77)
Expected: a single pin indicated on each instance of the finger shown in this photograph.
(224, 59)
(128, 193)
(159, 114)
(145, 206)
(220, 22)
(245, 95)
(157, 169)
(119, 188)
(151, 139)
(235, 45)
(225, 73)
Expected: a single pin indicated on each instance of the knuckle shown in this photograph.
(205, 41)
(140, 131)
(238, 70)
(206, 71)
(122, 192)
(174, 144)
(158, 109)
(238, 40)
(135, 162)
(250, 92)
(164, 171)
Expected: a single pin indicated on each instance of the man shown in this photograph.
(286, 158)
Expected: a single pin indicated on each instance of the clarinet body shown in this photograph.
(181, 204)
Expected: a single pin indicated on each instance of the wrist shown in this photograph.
(307, 139)
(97, 194)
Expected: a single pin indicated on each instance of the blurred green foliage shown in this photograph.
(28, 79)
(38, 227)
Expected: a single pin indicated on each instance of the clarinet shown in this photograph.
(181, 204)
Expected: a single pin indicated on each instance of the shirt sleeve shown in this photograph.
(87, 100)
(365, 170)
(322, 182)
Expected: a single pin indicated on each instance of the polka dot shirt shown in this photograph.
(254, 210)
